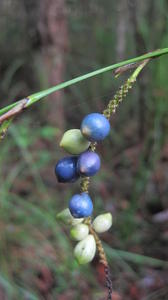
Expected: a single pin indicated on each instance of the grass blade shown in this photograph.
(38, 96)
(135, 258)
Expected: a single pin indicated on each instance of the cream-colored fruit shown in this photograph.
(85, 250)
(102, 222)
(79, 232)
(74, 142)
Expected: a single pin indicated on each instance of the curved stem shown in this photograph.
(38, 96)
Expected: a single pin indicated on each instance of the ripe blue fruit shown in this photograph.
(65, 169)
(95, 127)
(81, 205)
(88, 163)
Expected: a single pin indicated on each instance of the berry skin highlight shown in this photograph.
(95, 127)
(81, 206)
(88, 163)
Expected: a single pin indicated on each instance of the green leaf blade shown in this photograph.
(40, 95)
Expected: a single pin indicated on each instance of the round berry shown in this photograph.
(88, 163)
(81, 205)
(74, 142)
(102, 222)
(95, 127)
(85, 250)
(79, 232)
(66, 169)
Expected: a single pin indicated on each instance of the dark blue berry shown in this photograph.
(81, 205)
(88, 163)
(66, 169)
(95, 127)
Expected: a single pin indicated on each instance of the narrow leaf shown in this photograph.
(37, 96)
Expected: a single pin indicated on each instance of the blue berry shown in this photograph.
(81, 205)
(95, 127)
(88, 163)
(65, 169)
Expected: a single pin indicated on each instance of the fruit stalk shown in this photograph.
(110, 109)
(85, 184)
(123, 91)
(102, 258)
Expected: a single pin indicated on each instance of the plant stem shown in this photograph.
(102, 258)
(110, 109)
(14, 111)
(38, 96)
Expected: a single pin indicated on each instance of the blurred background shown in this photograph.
(43, 43)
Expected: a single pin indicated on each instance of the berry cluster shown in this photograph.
(84, 163)
(85, 249)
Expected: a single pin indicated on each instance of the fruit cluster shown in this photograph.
(83, 162)
(85, 249)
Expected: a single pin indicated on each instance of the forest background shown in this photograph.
(43, 43)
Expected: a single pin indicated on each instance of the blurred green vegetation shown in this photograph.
(36, 254)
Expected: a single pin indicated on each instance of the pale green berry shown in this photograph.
(79, 232)
(74, 142)
(85, 250)
(102, 222)
(66, 217)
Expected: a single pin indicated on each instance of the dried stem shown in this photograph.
(4, 127)
(7, 118)
(14, 111)
(128, 67)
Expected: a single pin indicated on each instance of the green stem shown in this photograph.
(37, 96)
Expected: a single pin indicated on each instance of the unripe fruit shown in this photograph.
(66, 170)
(79, 232)
(88, 163)
(85, 250)
(74, 142)
(66, 217)
(95, 127)
(81, 205)
(102, 222)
